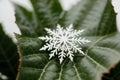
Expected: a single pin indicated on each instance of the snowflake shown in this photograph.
(63, 42)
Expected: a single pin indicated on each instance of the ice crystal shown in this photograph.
(63, 42)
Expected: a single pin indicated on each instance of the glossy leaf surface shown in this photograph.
(97, 17)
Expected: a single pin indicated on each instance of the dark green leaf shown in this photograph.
(27, 22)
(98, 60)
(8, 56)
(48, 11)
(46, 14)
(97, 17)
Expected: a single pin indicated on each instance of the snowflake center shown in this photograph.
(64, 39)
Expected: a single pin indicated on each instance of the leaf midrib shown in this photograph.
(78, 74)
(61, 70)
(44, 69)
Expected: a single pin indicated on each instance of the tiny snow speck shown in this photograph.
(63, 42)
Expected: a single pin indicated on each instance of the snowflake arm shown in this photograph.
(50, 32)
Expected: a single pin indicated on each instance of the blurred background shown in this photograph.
(8, 20)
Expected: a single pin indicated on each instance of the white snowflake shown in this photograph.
(63, 42)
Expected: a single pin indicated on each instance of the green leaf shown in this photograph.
(8, 56)
(98, 60)
(26, 20)
(48, 11)
(46, 14)
(97, 17)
